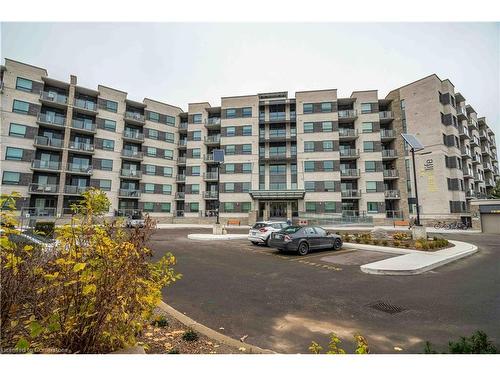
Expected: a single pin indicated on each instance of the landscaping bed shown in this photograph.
(401, 240)
(166, 335)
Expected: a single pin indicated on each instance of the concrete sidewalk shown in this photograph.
(391, 228)
(414, 262)
(216, 237)
(204, 226)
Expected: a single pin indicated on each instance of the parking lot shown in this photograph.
(283, 301)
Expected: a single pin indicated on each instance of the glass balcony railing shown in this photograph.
(85, 104)
(349, 173)
(53, 97)
(385, 115)
(391, 173)
(210, 176)
(348, 113)
(73, 189)
(49, 118)
(46, 164)
(48, 142)
(132, 154)
(389, 153)
(136, 116)
(392, 194)
(349, 152)
(130, 173)
(81, 146)
(136, 135)
(79, 168)
(344, 132)
(83, 125)
(129, 193)
(351, 193)
(43, 188)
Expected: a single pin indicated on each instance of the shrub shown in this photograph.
(334, 346)
(401, 236)
(97, 290)
(478, 343)
(174, 351)
(406, 244)
(45, 228)
(375, 242)
(160, 321)
(396, 243)
(357, 240)
(190, 335)
(365, 241)
(385, 243)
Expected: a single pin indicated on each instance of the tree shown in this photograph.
(495, 192)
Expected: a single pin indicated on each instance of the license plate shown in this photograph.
(254, 233)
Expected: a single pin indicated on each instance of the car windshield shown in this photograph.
(291, 230)
(136, 217)
(259, 225)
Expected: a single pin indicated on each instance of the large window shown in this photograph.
(169, 137)
(310, 206)
(372, 207)
(370, 166)
(195, 170)
(327, 126)
(309, 185)
(371, 186)
(246, 206)
(308, 108)
(308, 127)
(197, 118)
(308, 166)
(106, 164)
(230, 113)
(327, 145)
(20, 107)
(196, 153)
(246, 187)
(167, 189)
(168, 171)
(165, 207)
(247, 149)
(153, 116)
(108, 144)
(329, 185)
(229, 168)
(151, 151)
(197, 135)
(230, 149)
(11, 178)
(111, 106)
(105, 185)
(149, 188)
(171, 122)
(326, 107)
(328, 165)
(13, 153)
(229, 187)
(247, 130)
(169, 154)
(17, 130)
(24, 84)
(230, 131)
(367, 127)
(329, 207)
(247, 167)
(149, 206)
(194, 207)
(150, 169)
(109, 125)
(153, 134)
(368, 146)
(366, 107)
(228, 206)
(309, 146)
(246, 112)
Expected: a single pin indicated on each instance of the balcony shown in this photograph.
(476, 159)
(209, 159)
(461, 113)
(212, 123)
(391, 174)
(181, 160)
(183, 126)
(180, 178)
(83, 126)
(348, 134)
(130, 173)
(474, 141)
(470, 194)
(85, 106)
(129, 193)
(79, 168)
(134, 117)
(389, 154)
(483, 135)
(392, 214)
(49, 143)
(467, 173)
(348, 114)
(386, 134)
(489, 182)
(132, 154)
(349, 173)
(385, 116)
(351, 194)
(392, 194)
(54, 99)
(488, 167)
(465, 153)
(277, 157)
(472, 123)
(51, 121)
(81, 147)
(180, 195)
(45, 165)
(182, 143)
(211, 195)
(349, 153)
(210, 176)
(485, 150)
(75, 190)
(36, 188)
(277, 137)
(133, 136)
(212, 140)
(463, 132)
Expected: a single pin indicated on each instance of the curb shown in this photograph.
(210, 333)
(216, 237)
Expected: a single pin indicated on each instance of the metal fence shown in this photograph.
(336, 219)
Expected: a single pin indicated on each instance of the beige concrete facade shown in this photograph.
(315, 155)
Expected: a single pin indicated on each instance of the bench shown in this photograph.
(233, 222)
(401, 223)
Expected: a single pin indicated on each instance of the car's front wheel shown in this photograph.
(255, 243)
(303, 248)
(337, 244)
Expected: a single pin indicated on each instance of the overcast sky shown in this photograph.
(180, 63)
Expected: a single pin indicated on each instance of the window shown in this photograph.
(149, 206)
(229, 187)
(153, 116)
(326, 107)
(150, 170)
(328, 165)
(111, 106)
(167, 189)
(108, 144)
(371, 186)
(24, 84)
(229, 168)
(372, 207)
(228, 207)
(308, 166)
(309, 146)
(105, 185)
(247, 149)
(195, 170)
(308, 127)
(13, 153)
(106, 164)
(308, 108)
(245, 187)
(230, 113)
(329, 186)
(149, 188)
(195, 189)
(168, 171)
(246, 112)
(11, 178)
(370, 166)
(153, 134)
(197, 118)
(169, 154)
(367, 127)
(20, 107)
(368, 146)
(327, 126)
(247, 167)
(16, 130)
(194, 207)
(165, 207)
(196, 153)
(366, 107)
(310, 206)
(197, 135)
(169, 137)
(247, 130)
(230, 131)
(171, 122)
(109, 125)
(151, 151)
(329, 207)
(327, 145)
(309, 185)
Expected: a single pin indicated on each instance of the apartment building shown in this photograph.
(313, 155)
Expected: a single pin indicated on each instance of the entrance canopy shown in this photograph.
(277, 194)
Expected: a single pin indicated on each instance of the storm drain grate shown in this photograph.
(386, 307)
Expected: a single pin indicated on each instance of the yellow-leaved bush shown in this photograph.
(96, 290)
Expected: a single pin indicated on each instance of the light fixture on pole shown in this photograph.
(415, 145)
(218, 157)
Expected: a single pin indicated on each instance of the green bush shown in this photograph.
(160, 321)
(174, 351)
(478, 343)
(45, 228)
(401, 236)
(396, 243)
(376, 242)
(385, 243)
(190, 335)
(357, 240)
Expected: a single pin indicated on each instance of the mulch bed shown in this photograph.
(169, 340)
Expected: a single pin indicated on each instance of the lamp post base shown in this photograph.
(418, 232)
(218, 229)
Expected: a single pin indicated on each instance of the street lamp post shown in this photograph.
(417, 222)
(218, 193)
